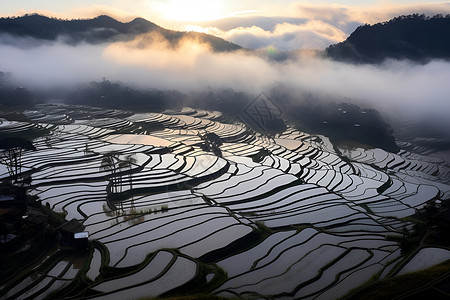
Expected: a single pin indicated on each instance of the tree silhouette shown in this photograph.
(127, 163)
(109, 163)
(11, 154)
(212, 143)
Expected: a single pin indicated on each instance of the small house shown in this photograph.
(73, 235)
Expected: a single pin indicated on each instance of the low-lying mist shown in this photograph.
(401, 90)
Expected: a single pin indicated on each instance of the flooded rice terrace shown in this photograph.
(207, 206)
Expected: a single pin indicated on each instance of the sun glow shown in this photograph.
(196, 28)
(194, 10)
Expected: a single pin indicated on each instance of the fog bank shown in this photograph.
(401, 88)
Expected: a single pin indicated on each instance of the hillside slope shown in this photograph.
(414, 37)
(99, 30)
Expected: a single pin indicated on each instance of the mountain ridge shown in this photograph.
(414, 37)
(98, 30)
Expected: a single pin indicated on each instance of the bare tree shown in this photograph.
(128, 163)
(110, 163)
(11, 155)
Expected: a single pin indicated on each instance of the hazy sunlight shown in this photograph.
(195, 10)
(196, 28)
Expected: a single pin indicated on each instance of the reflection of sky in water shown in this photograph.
(331, 195)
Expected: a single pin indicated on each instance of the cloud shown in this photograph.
(150, 61)
(310, 25)
(51, 63)
(346, 17)
(333, 13)
(284, 36)
(302, 24)
(386, 10)
(266, 23)
(189, 65)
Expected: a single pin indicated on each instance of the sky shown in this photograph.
(283, 24)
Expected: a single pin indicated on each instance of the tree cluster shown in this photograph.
(117, 164)
(414, 37)
(211, 143)
(340, 121)
(13, 96)
(115, 95)
(11, 150)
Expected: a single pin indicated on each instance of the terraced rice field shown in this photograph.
(306, 220)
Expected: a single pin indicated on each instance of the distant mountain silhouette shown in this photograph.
(99, 30)
(414, 37)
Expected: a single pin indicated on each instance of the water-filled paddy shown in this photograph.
(300, 221)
